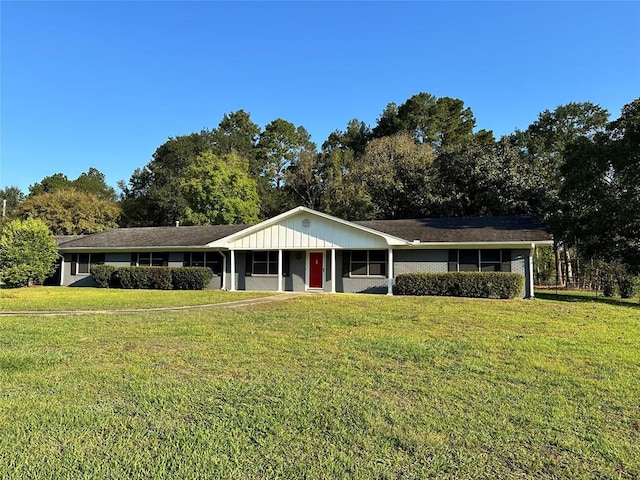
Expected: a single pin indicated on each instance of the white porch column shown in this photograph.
(280, 289)
(233, 271)
(333, 270)
(531, 293)
(61, 270)
(390, 274)
(224, 272)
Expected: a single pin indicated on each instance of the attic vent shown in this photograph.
(306, 223)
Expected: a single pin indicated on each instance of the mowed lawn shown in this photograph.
(325, 386)
(66, 299)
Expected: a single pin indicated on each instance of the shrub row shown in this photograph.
(158, 278)
(461, 284)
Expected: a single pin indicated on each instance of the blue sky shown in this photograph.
(103, 84)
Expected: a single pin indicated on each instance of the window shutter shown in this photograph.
(286, 263)
(248, 263)
(346, 260)
(453, 260)
(506, 261)
(74, 264)
(134, 259)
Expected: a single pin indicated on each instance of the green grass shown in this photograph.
(325, 386)
(60, 298)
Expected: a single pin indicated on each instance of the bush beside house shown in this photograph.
(461, 284)
(157, 278)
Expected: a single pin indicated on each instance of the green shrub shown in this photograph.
(136, 277)
(626, 286)
(104, 275)
(461, 284)
(191, 278)
(28, 253)
(162, 278)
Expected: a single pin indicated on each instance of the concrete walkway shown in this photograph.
(239, 303)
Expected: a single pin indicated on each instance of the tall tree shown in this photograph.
(217, 192)
(395, 173)
(70, 212)
(601, 190)
(92, 181)
(438, 122)
(237, 133)
(152, 195)
(475, 179)
(13, 196)
(280, 146)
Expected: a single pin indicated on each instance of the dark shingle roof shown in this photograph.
(62, 239)
(478, 229)
(140, 237)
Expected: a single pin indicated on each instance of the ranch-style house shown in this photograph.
(306, 250)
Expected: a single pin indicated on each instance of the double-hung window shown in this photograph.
(367, 263)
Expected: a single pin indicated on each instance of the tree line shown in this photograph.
(572, 167)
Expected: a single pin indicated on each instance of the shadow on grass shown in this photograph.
(565, 296)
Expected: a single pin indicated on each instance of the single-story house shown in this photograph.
(306, 250)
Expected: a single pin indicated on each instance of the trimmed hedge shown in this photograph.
(158, 278)
(104, 275)
(461, 284)
(191, 278)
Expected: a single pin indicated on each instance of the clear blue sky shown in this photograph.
(103, 84)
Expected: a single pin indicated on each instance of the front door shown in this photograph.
(315, 269)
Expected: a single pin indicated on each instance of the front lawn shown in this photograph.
(325, 386)
(66, 298)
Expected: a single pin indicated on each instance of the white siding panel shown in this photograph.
(321, 233)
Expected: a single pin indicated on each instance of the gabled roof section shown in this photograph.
(146, 237)
(519, 228)
(288, 230)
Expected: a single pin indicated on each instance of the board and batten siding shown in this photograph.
(321, 233)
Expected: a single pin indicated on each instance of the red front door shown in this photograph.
(315, 269)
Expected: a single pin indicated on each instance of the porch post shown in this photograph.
(531, 293)
(61, 270)
(233, 271)
(280, 270)
(390, 274)
(224, 272)
(333, 270)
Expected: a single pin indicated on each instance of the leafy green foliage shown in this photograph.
(191, 278)
(91, 182)
(394, 171)
(13, 196)
(163, 278)
(71, 212)
(439, 122)
(461, 284)
(104, 275)
(217, 192)
(28, 253)
(602, 191)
